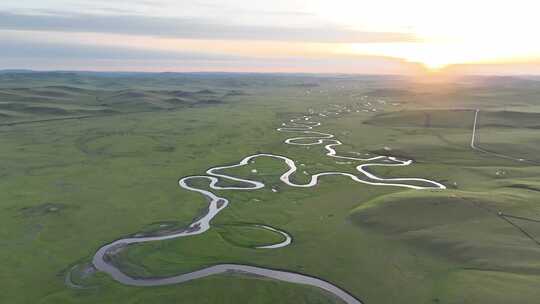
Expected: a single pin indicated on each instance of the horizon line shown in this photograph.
(427, 73)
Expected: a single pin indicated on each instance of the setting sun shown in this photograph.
(457, 32)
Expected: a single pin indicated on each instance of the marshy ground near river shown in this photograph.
(97, 161)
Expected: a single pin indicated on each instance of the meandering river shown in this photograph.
(303, 125)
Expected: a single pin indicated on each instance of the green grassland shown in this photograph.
(90, 158)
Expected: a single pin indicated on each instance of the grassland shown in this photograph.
(90, 158)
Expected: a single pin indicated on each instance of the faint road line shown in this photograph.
(474, 147)
(474, 128)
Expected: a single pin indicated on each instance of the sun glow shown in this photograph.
(437, 55)
(448, 32)
(384, 36)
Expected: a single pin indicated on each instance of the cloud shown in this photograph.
(360, 65)
(41, 53)
(13, 48)
(190, 28)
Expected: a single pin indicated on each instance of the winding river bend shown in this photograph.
(303, 125)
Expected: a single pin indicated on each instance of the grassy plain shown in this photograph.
(90, 158)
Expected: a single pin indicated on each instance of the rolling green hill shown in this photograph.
(89, 158)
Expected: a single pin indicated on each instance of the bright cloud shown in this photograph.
(432, 33)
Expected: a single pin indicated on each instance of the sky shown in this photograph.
(312, 36)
